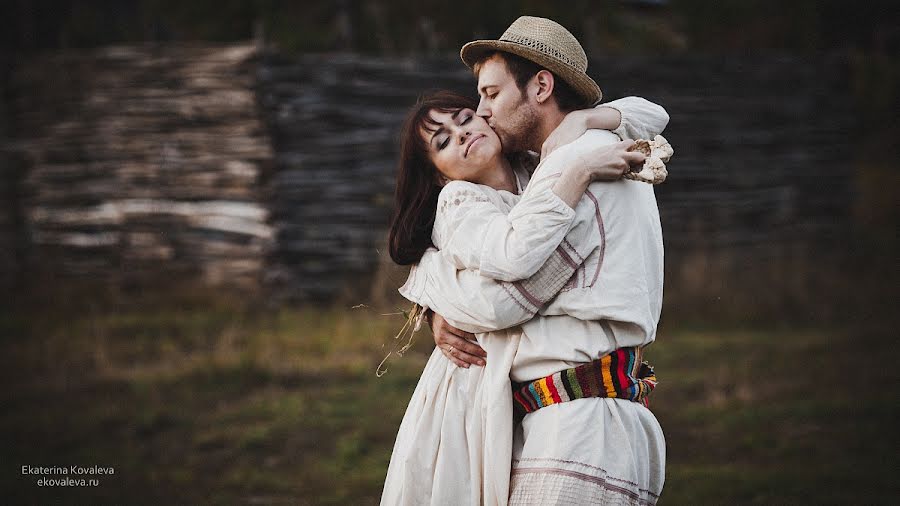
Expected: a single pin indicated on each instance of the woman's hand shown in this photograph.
(457, 345)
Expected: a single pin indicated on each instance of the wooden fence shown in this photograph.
(263, 170)
(143, 164)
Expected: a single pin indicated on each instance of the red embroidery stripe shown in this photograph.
(528, 296)
(512, 295)
(554, 393)
(574, 251)
(620, 371)
(522, 401)
(602, 230)
(566, 258)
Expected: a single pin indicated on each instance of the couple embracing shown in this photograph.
(541, 277)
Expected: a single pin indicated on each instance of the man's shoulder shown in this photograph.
(595, 136)
(586, 141)
(622, 196)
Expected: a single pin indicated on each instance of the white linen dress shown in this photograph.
(502, 258)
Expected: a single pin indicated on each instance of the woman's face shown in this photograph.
(462, 146)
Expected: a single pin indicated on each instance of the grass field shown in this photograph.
(214, 404)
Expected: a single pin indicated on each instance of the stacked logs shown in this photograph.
(258, 168)
(144, 163)
(762, 162)
(334, 121)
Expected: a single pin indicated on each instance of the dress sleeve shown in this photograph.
(477, 304)
(473, 302)
(641, 119)
(473, 233)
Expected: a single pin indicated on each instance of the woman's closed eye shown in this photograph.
(443, 140)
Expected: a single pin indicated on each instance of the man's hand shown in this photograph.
(609, 162)
(604, 162)
(457, 345)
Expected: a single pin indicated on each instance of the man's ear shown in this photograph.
(543, 82)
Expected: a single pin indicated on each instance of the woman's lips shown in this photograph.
(473, 141)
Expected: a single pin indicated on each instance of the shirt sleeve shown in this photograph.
(472, 301)
(477, 304)
(473, 233)
(583, 236)
(641, 119)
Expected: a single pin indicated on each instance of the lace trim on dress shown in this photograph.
(458, 198)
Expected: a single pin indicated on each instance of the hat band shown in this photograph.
(545, 49)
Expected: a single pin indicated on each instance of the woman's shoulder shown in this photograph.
(459, 186)
(456, 193)
(591, 137)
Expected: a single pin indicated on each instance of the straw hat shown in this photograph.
(546, 43)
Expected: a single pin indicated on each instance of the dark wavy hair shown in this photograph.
(523, 69)
(418, 180)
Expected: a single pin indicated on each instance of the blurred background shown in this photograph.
(195, 202)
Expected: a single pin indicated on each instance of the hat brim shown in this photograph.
(580, 82)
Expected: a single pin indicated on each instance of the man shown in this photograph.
(576, 444)
(552, 117)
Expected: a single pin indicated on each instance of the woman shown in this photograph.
(440, 455)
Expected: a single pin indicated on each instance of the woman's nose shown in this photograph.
(464, 136)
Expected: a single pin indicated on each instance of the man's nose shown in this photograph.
(483, 110)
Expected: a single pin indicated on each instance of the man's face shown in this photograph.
(505, 107)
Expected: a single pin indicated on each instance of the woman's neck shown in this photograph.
(501, 178)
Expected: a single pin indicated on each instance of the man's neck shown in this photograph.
(550, 119)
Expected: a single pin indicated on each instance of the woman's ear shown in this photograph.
(440, 179)
(543, 80)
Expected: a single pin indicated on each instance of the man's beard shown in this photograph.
(522, 132)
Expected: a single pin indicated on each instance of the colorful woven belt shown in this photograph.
(621, 374)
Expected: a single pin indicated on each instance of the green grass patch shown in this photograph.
(226, 405)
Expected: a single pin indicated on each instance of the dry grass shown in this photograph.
(213, 403)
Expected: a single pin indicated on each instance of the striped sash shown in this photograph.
(621, 374)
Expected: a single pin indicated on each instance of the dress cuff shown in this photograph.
(620, 130)
(414, 288)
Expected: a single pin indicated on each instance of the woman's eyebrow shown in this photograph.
(441, 128)
(434, 134)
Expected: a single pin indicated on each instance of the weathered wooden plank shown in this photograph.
(150, 158)
(265, 168)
